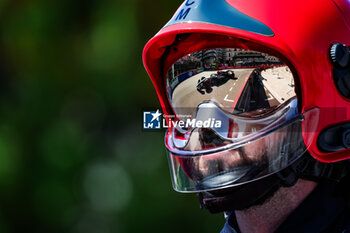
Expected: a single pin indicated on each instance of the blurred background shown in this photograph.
(73, 156)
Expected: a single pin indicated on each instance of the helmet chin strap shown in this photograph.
(257, 192)
(240, 197)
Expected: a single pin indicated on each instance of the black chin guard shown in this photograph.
(257, 192)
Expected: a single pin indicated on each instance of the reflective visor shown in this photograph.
(236, 118)
(237, 80)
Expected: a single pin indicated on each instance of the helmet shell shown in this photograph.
(302, 33)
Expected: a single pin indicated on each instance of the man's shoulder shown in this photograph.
(320, 212)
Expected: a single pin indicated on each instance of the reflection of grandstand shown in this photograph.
(186, 63)
(248, 57)
(235, 57)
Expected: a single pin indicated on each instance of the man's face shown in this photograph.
(255, 155)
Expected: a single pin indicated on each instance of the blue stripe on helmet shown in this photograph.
(217, 12)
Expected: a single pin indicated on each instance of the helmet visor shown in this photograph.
(238, 80)
(236, 118)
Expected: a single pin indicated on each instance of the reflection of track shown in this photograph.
(250, 91)
(186, 95)
(280, 83)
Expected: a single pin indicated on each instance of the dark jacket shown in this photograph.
(325, 210)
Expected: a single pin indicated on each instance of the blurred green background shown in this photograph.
(73, 157)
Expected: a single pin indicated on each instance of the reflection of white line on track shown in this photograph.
(272, 93)
(269, 95)
(228, 100)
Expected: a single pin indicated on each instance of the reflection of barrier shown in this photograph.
(247, 67)
(182, 77)
(174, 83)
(200, 70)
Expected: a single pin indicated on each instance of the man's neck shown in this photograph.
(266, 218)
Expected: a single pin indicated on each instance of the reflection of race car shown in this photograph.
(218, 79)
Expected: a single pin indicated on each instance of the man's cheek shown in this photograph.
(255, 151)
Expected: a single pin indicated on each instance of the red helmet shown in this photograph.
(305, 40)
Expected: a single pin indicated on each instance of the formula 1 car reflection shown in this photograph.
(218, 79)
